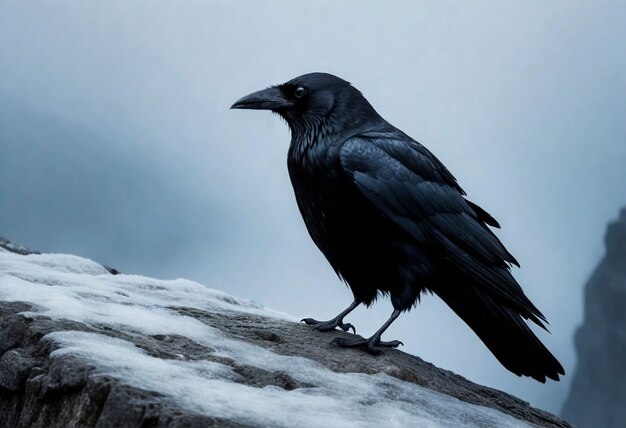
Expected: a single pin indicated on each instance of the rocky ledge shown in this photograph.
(82, 347)
(597, 397)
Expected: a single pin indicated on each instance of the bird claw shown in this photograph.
(373, 344)
(346, 327)
(328, 325)
(391, 344)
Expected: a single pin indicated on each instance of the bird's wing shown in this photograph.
(409, 185)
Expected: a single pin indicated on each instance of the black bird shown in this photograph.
(392, 220)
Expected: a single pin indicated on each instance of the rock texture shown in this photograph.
(15, 248)
(19, 249)
(598, 393)
(43, 391)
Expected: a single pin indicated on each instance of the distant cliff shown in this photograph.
(82, 347)
(598, 394)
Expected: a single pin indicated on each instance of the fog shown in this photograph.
(117, 143)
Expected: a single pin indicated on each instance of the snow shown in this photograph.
(73, 288)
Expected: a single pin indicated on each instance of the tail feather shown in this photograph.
(503, 331)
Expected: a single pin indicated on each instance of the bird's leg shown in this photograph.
(374, 342)
(335, 322)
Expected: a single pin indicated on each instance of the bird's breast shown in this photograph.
(318, 184)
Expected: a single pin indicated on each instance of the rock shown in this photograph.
(81, 347)
(18, 249)
(598, 393)
(14, 248)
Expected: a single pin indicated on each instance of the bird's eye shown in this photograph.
(299, 92)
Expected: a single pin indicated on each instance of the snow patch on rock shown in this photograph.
(73, 288)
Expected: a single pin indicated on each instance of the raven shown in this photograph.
(391, 219)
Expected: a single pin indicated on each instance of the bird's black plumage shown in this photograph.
(391, 219)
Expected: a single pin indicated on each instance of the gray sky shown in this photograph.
(117, 143)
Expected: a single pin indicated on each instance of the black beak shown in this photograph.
(267, 99)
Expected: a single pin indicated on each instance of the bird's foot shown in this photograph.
(373, 344)
(329, 325)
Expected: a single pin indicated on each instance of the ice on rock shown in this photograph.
(73, 288)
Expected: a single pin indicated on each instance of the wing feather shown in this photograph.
(409, 185)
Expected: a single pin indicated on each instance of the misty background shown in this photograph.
(116, 143)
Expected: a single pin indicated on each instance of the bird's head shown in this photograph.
(310, 98)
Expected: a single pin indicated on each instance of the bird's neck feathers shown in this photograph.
(349, 115)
